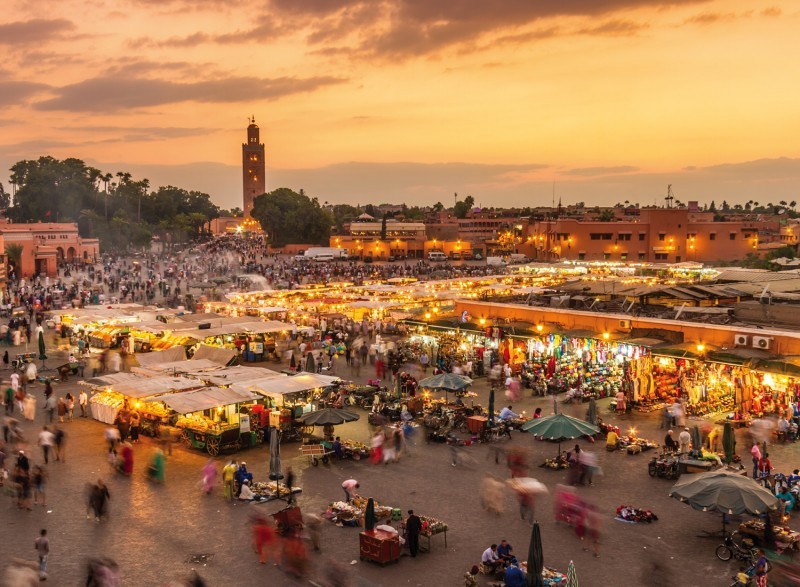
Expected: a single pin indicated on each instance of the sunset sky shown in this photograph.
(412, 100)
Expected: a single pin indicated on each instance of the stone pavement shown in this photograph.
(154, 531)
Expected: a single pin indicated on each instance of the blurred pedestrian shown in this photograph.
(289, 484)
(59, 444)
(83, 400)
(265, 539)
(229, 480)
(98, 499)
(413, 529)
(42, 546)
(208, 476)
(39, 482)
(46, 441)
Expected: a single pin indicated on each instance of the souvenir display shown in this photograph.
(626, 513)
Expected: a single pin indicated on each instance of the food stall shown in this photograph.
(113, 392)
(213, 418)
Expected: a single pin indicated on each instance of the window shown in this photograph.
(662, 256)
(606, 256)
(733, 236)
(623, 256)
(641, 236)
(662, 236)
(712, 236)
(677, 258)
(642, 256)
(691, 235)
(581, 256)
(624, 237)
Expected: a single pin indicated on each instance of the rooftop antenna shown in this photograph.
(669, 197)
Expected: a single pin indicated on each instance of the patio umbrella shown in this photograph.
(697, 443)
(491, 406)
(329, 417)
(559, 427)
(275, 456)
(728, 442)
(572, 577)
(446, 382)
(311, 366)
(42, 355)
(292, 362)
(591, 413)
(727, 493)
(535, 559)
(369, 515)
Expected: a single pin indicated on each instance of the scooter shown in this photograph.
(664, 466)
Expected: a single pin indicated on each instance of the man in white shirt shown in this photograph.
(507, 413)
(684, 438)
(490, 559)
(83, 400)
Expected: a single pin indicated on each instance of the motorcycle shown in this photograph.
(664, 466)
(744, 552)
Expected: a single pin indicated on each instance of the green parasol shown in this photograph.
(42, 355)
(559, 427)
(572, 577)
(369, 515)
(728, 442)
(535, 559)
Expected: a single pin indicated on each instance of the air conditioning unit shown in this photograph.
(762, 342)
(742, 339)
(625, 324)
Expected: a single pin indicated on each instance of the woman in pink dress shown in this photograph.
(209, 476)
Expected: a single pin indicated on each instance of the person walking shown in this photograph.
(228, 480)
(59, 442)
(46, 441)
(42, 546)
(289, 483)
(50, 407)
(684, 439)
(755, 452)
(97, 499)
(39, 481)
(413, 528)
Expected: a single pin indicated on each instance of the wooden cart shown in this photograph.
(316, 453)
(213, 441)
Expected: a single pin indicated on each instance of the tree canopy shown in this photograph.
(291, 218)
(462, 208)
(120, 213)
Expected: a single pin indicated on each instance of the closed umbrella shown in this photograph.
(727, 493)
(559, 427)
(697, 443)
(728, 442)
(275, 456)
(42, 355)
(329, 417)
(591, 413)
(535, 559)
(369, 515)
(292, 362)
(491, 406)
(572, 576)
(311, 366)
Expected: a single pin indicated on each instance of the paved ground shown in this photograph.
(154, 530)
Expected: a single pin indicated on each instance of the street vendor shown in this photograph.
(670, 445)
(242, 475)
(338, 451)
(786, 499)
(508, 414)
(491, 560)
(612, 440)
(505, 551)
(514, 577)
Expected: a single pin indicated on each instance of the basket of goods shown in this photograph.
(560, 462)
(431, 526)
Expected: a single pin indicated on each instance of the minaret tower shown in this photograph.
(253, 168)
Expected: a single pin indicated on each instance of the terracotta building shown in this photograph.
(665, 235)
(46, 244)
(253, 168)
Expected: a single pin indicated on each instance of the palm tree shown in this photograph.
(14, 255)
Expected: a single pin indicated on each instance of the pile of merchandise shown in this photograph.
(198, 423)
(354, 449)
(560, 462)
(269, 490)
(431, 526)
(626, 513)
(642, 443)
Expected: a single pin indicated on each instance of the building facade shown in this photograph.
(46, 244)
(657, 235)
(253, 168)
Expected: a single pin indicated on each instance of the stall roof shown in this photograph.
(237, 374)
(204, 399)
(284, 385)
(139, 386)
(183, 366)
(176, 353)
(215, 354)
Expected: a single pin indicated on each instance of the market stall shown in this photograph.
(213, 418)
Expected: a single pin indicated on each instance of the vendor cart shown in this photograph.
(215, 440)
(317, 452)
